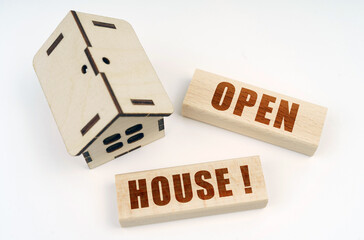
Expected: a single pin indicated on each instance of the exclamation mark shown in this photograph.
(245, 172)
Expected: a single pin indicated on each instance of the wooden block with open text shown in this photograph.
(265, 115)
(102, 89)
(190, 191)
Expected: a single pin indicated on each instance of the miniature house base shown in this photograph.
(123, 136)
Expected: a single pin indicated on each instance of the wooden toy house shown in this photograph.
(102, 89)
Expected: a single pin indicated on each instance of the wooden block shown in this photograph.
(93, 71)
(190, 191)
(265, 115)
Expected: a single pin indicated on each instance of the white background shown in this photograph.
(311, 50)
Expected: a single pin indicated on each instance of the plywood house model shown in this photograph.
(102, 89)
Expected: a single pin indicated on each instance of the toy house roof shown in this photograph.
(132, 80)
(93, 70)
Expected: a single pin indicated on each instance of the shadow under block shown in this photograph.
(190, 191)
(265, 115)
(99, 81)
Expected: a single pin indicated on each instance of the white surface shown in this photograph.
(312, 50)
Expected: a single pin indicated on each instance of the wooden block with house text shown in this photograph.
(190, 191)
(102, 89)
(262, 114)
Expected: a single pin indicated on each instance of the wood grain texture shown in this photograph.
(93, 66)
(190, 191)
(265, 115)
(130, 72)
(74, 97)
